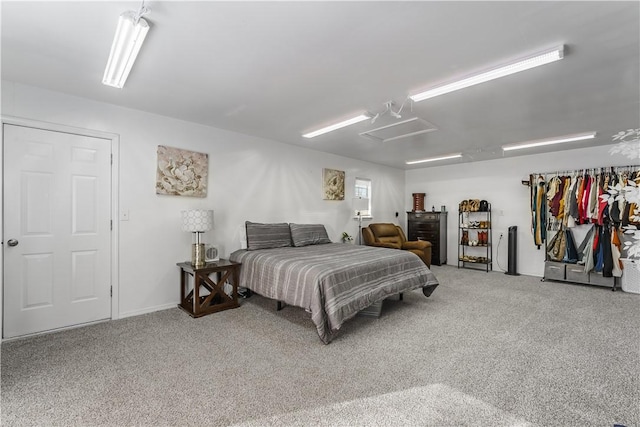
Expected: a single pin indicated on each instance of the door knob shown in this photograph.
(12, 242)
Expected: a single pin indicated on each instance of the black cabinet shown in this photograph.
(432, 227)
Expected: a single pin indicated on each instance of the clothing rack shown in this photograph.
(552, 223)
(601, 169)
(562, 199)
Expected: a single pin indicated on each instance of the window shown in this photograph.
(363, 190)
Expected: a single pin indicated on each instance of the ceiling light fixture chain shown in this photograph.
(144, 10)
(389, 109)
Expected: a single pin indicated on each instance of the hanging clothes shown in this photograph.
(614, 206)
(554, 194)
(607, 267)
(579, 197)
(563, 204)
(587, 243)
(533, 195)
(593, 198)
(537, 187)
(571, 252)
(603, 205)
(573, 197)
(634, 214)
(598, 250)
(584, 216)
(587, 250)
(616, 246)
(622, 202)
(557, 246)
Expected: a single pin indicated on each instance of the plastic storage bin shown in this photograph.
(631, 275)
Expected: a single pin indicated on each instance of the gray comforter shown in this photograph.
(332, 281)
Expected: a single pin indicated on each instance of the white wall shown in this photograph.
(249, 179)
(261, 180)
(499, 182)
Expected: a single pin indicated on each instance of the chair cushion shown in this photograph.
(384, 230)
(387, 233)
(392, 242)
(417, 244)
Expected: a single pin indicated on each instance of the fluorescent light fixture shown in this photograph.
(514, 67)
(339, 125)
(130, 33)
(550, 141)
(435, 159)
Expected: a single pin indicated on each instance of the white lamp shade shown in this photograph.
(360, 204)
(197, 220)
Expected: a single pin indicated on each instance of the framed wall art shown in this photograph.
(181, 172)
(332, 184)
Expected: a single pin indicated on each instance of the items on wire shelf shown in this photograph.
(579, 222)
(474, 234)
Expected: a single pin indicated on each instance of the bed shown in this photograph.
(332, 281)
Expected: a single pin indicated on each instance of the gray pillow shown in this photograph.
(267, 236)
(308, 234)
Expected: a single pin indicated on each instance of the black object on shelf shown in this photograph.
(512, 266)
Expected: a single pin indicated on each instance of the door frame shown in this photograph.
(115, 196)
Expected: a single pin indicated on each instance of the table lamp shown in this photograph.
(197, 221)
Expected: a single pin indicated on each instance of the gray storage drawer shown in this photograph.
(597, 279)
(373, 310)
(554, 270)
(575, 273)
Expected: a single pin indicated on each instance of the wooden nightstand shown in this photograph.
(217, 299)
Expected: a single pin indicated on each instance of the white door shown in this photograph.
(57, 230)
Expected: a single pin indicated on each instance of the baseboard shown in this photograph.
(122, 316)
(147, 310)
(53, 331)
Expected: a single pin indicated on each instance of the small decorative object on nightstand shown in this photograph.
(217, 298)
(211, 253)
(197, 221)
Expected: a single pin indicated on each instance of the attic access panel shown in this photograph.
(404, 129)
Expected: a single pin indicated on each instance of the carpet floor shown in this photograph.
(486, 349)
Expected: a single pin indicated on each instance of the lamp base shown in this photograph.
(197, 255)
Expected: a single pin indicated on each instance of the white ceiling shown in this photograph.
(278, 69)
